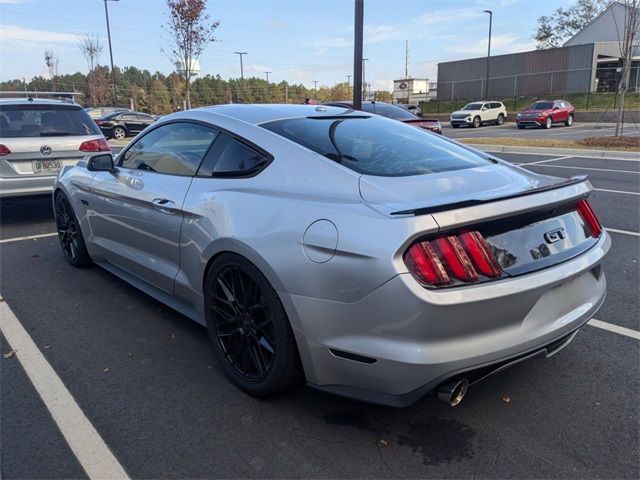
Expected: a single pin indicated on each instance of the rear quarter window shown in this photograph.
(34, 120)
(376, 146)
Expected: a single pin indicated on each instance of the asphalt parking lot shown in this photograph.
(146, 379)
(577, 131)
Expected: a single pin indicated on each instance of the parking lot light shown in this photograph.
(113, 77)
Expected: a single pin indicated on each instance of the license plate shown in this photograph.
(46, 166)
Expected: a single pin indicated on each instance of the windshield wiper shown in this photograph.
(338, 157)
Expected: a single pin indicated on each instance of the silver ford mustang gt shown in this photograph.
(369, 258)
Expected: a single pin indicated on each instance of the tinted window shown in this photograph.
(376, 146)
(391, 111)
(495, 105)
(230, 156)
(174, 148)
(145, 118)
(542, 106)
(128, 117)
(33, 120)
(472, 106)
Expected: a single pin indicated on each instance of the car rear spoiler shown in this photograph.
(470, 203)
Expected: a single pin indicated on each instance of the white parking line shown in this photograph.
(584, 168)
(627, 332)
(84, 441)
(28, 237)
(615, 191)
(550, 160)
(624, 232)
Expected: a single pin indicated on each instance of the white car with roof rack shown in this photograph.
(39, 137)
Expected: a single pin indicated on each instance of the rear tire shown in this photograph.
(119, 133)
(251, 335)
(476, 122)
(500, 119)
(569, 121)
(69, 233)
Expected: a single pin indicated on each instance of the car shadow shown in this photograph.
(25, 210)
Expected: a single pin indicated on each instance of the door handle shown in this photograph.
(164, 205)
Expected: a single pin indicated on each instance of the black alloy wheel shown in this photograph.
(69, 234)
(248, 326)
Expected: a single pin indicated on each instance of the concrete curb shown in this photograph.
(577, 152)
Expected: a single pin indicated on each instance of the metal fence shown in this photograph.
(580, 87)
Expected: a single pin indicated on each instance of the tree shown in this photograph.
(627, 44)
(563, 24)
(190, 31)
(91, 48)
(51, 60)
(159, 99)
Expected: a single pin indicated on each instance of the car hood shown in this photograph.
(538, 112)
(465, 112)
(431, 190)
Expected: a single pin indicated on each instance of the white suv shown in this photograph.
(476, 113)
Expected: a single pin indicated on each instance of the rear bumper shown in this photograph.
(26, 185)
(407, 339)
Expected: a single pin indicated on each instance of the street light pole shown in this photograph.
(364, 79)
(268, 85)
(486, 80)
(357, 54)
(241, 71)
(113, 77)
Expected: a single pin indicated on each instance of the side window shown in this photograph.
(174, 148)
(231, 157)
(128, 117)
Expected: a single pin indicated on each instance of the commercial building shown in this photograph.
(589, 62)
(412, 90)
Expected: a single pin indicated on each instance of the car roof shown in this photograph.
(261, 113)
(35, 101)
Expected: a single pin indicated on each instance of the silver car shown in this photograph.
(38, 137)
(366, 257)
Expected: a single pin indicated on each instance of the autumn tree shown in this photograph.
(159, 98)
(190, 31)
(564, 23)
(91, 48)
(52, 61)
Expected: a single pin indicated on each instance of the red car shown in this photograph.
(397, 113)
(544, 113)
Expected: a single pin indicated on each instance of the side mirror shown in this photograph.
(101, 163)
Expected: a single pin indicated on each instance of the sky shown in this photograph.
(296, 40)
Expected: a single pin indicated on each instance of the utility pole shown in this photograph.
(358, 61)
(406, 59)
(364, 78)
(268, 86)
(486, 81)
(113, 76)
(241, 75)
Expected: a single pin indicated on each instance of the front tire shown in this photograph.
(569, 121)
(455, 125)
(548, 123)
(521, 127)
(119, 133)
(476, 122)
(69, 233)
(251, 335)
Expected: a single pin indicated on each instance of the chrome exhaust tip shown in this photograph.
(453, 392)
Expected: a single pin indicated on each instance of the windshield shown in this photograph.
(376, 146)
(33, 120)
(472, 106)
(541, 106)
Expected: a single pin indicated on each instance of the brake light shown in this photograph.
(463, 257)
(4, 150)
(100, 145)
(99, 122)
(589, 216)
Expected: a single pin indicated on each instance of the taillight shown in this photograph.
(100, 145)
(444, 259)
(99, 122)
(4, 150)
(589, 216)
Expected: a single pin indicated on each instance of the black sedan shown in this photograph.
(119, 125)
(395, 112)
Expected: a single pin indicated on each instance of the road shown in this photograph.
(146, 379)
(558, 132)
